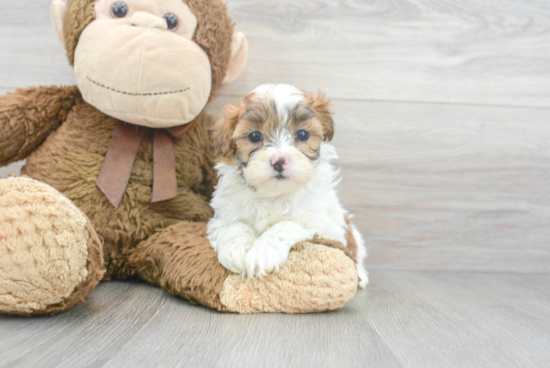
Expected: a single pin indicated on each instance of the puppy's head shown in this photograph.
(275, 136)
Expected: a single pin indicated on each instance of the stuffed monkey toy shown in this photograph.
(119, 169)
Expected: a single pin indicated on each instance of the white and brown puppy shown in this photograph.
(276, 184)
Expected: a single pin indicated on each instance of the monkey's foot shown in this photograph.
(315, 278)
(50, 255)
(180, 259)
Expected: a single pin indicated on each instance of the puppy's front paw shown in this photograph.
(265, 257)
(232, 256)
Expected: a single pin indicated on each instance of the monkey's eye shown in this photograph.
(255, 137)
(119, 9)
(172, 21)
(302, 135)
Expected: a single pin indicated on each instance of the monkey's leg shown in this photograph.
(50, 255)
(180, 259)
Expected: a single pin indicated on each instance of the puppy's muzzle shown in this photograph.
(278, 164)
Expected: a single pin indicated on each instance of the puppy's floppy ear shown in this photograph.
(223, 131)
(321, 105)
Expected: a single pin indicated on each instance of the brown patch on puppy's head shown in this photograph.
(303, 118)
(260, 118)
(321, 105)
(231, 131)
(223, 131)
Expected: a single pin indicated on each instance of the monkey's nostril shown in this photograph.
(279, 164)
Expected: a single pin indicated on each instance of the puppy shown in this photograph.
(276, 184)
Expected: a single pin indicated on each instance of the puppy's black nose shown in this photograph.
(278, 166)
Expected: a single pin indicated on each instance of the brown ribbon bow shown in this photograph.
(121, 155)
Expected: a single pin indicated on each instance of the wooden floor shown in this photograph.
(404, 319)
(443, 113)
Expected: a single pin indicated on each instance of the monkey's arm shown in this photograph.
(28, 116)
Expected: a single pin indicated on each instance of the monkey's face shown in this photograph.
(137, 61)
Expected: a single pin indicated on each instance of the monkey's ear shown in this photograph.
(58, 12)
(239, 57)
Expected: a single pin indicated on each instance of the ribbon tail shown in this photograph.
(179, 132)
(119, 162)
(165, 185)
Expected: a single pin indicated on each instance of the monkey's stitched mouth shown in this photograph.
(137, 94)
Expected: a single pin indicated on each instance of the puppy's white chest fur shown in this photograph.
(253, 230)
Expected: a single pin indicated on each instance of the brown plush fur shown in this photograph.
(66, 140)
(95, 275)
(348, 251)
(44, 231)
(184, 246)
(70, 160)
(78, 14)
(28, 116)
(73, 170)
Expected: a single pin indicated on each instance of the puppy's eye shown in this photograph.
(255, 137)
(119, 9)
(302, 135)
(172, 21)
